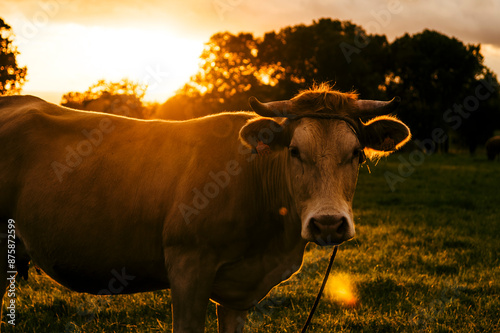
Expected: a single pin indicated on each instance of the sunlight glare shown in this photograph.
(491, 55)
(160, 58)
(340, 289)
(269, 75)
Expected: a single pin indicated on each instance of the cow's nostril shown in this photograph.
(344, 225)
(314, 226)
(333, 225)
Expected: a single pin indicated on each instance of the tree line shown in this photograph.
(443, 83)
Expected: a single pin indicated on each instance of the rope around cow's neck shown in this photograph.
(325, 279)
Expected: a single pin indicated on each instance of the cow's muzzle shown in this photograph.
(330, 229)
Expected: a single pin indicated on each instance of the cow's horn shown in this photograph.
(369, 108)
(271, 109)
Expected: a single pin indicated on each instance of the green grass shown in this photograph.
(425, 259)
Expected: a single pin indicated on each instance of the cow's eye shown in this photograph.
(294, 152)
(360, 155)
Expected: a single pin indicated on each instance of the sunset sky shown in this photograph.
(68, 45)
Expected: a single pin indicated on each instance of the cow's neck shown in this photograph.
(270, 191)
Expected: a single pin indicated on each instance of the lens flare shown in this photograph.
(283, 211)
(340, 289)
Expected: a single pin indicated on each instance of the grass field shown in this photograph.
(425, 259)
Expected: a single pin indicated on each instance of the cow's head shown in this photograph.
(326, 135)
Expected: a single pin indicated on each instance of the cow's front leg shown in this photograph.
(229, 320)
(191, 277)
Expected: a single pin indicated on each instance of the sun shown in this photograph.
(159, 58)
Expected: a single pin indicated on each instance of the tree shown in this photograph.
(228, 75)
(328, 50)
(481, 119)
(121, 98)
(12, 77)
(278, 65)
(432, 73)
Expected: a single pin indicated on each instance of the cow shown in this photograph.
(493, 147)
(216, 208)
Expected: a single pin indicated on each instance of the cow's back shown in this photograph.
(16, 114)
(92, 193)
(29, 127)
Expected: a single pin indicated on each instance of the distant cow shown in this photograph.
(219, 207)
(493, 147)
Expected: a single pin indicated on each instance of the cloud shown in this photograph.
(178, 16)
(470, 20)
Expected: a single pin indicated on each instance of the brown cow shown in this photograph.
(493, 147)
(219, 207)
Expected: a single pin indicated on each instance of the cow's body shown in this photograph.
(106, 204)
(125, 211)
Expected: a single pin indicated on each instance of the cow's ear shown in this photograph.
(385, 134)
(264, 133)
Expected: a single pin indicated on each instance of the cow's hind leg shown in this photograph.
(229, 320)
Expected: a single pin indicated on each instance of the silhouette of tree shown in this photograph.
(327, 50)
(432, 73)
(121, 98)
(480, 122)
(12, 77)
(277, 65)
